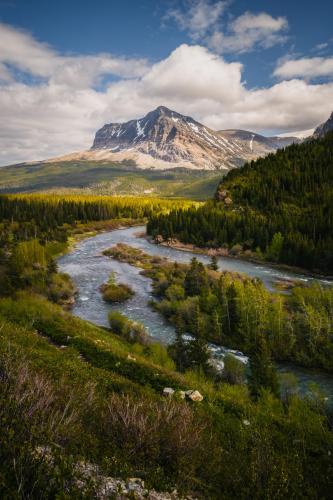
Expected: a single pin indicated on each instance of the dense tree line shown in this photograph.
(280, 206)
(49, 211)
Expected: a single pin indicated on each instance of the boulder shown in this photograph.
(159, 239)
(168, 392)
(194, 395)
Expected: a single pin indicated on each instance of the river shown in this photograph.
(88, 269)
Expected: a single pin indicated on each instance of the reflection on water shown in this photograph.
(89, 269)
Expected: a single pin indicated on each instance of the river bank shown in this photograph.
(225, 253)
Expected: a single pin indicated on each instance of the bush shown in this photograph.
(166, 433)
(113, 292)
(132, 331)
(234, 370)
(61, 289)
(34, 416)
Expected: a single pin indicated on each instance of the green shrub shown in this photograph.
(116, 292)
(129, 330)
(234, 370)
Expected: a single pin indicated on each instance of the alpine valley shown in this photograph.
(163, 153)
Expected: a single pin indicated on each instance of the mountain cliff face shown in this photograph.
(165, 138)
(324, 128)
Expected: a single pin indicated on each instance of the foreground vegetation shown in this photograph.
(279, 208)
(60, 376)
(74, 396)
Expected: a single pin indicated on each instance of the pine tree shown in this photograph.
(216, 327)
(196, 278)
(179, 348)
(213, 263)
(198, 349)
(263, 373)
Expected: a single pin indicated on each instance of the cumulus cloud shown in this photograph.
(60, 111)
(204, 22)
(249, 31)
(306, 67)
(199, 72)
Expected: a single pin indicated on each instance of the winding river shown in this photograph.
(89, 269)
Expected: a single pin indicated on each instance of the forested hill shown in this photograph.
(300, 175)
(279, 207)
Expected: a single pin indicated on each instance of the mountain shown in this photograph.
(164, 154)
(258, 144)
(165, 138)
(325, 127)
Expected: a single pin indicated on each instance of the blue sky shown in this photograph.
(73, 65)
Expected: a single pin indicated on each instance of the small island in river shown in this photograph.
(116, 292)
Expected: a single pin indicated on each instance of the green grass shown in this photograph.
(99, 347)
(107, 178)
(76, 391)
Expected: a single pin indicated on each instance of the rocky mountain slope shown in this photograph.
(324, 128)
(164, 139)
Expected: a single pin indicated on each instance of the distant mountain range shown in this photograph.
(166, 139)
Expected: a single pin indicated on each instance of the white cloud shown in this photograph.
(247, 32)
(321, 46)
(203, 20)
(306, 67)
(60, 113)
(21, 50)
(5, 75)
(191, 72)
(198, 17)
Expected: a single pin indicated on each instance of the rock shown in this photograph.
(182, 394)
(159, 239)
(324, 128)
(88, 477)
(221, 195)
(135, 484)
(168, 391)
(194, 395)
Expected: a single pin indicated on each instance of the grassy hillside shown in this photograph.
(76, 392)
(108, 178)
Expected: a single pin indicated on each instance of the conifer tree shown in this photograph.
(263, 373)
(213, 263)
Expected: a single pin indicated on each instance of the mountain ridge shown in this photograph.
(169, 137)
